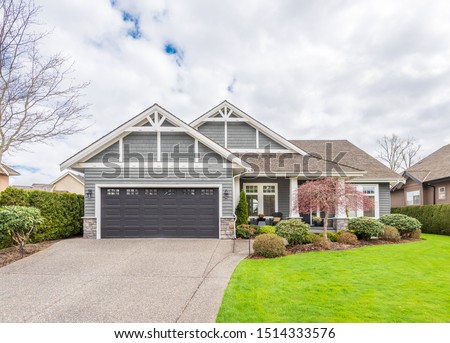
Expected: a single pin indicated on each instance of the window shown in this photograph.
(207, 192)
(189, 191)
(413, 198)
(372, 192)
(261, 198)
(112, 191)
(132, 191)
(151, 192)
(170, 192)
(442, 193)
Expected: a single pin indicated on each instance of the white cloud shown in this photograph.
(307, 69)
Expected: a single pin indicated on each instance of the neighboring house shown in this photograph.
(5, 173)
(427, 182)
(157, 176)
(67, 183)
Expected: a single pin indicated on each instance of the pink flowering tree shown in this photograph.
(329, 195)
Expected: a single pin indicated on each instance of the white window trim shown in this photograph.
(261, 195)
(442, 195)
(406, 195)
(376, 195)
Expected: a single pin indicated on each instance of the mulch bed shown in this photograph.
(305, 248)
(12, 254)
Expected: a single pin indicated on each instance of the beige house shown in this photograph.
(67, 183)
(427, 182)
(5, 173)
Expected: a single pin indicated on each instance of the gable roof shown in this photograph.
(120, 131)
(250, 121)
(433, 167)
(352, 157)
(77, 177)
(8, 171)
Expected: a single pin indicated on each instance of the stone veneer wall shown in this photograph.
(90, 227)
(340, 224)
(227, 228)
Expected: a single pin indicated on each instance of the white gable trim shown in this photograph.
(115, 135)
(249, 120)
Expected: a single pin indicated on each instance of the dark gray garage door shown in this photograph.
(160, 212)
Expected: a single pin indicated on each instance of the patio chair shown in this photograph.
(277, 217)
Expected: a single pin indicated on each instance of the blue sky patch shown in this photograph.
(230, 87)
(135, 31)
(27, 168)
(171, 49)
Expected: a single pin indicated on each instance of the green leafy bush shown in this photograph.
(434, 218)
(403, 223)
(242, 210)
(309, 238)
(332, 236)
(294, 230)
(268, 245)
(365, 228)
(19, 222)
(391, 234)
(322, 242)
(62, 212)
(346, 237)
(266, 229)
(246, 231)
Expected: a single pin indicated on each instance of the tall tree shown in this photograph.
(328, 195)
(38, 98)
(399, 153)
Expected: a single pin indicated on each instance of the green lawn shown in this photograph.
(386, 283)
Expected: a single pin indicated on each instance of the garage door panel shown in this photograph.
(165, 212)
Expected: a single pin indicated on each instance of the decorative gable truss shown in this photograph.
(239, 132)
(157, 121)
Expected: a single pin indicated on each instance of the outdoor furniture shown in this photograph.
(277, 216)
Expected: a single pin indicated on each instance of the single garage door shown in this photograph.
(160, 212)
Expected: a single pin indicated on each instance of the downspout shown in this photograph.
(434, 193)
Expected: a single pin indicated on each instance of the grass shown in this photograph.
(386, 283)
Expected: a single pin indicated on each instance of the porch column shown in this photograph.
(341, 220)
(293, 212)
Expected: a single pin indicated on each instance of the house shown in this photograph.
(157, 176)
(67, 183)
(5, 173)
(426, 182)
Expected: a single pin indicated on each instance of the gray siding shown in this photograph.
(97, 177)
(206, 154)
(170, 140)
(214, 131)
(385, 198)
(139, 143)
(264, 141)
(241, 136)
(114, 148)
(283, 192)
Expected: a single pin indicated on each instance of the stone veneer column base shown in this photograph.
(340, 224)
(226, 228)
(90, 227)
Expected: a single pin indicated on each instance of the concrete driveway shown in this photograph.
(128, 280)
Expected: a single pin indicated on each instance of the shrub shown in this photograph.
(332, 236)
(322, 242)
(294, 230)
(346, 237)
(309, 238)
(62, 212)
(391, 234)
(416, 234)
(19, 222)
(403, 223)
(246, 231)
(268, 245)
(365, 228)
(434, 218)
(266, 229)
(242, 210)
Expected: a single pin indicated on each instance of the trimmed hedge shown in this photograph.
(62, 212)
(365, 228)
(434, 218)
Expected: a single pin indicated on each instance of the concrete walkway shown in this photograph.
(140, 280)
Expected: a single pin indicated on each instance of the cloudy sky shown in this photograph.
(353, 70)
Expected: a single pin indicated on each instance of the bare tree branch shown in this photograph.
(397, 152)
(38, 98)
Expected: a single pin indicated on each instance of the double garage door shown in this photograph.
(160, 212)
